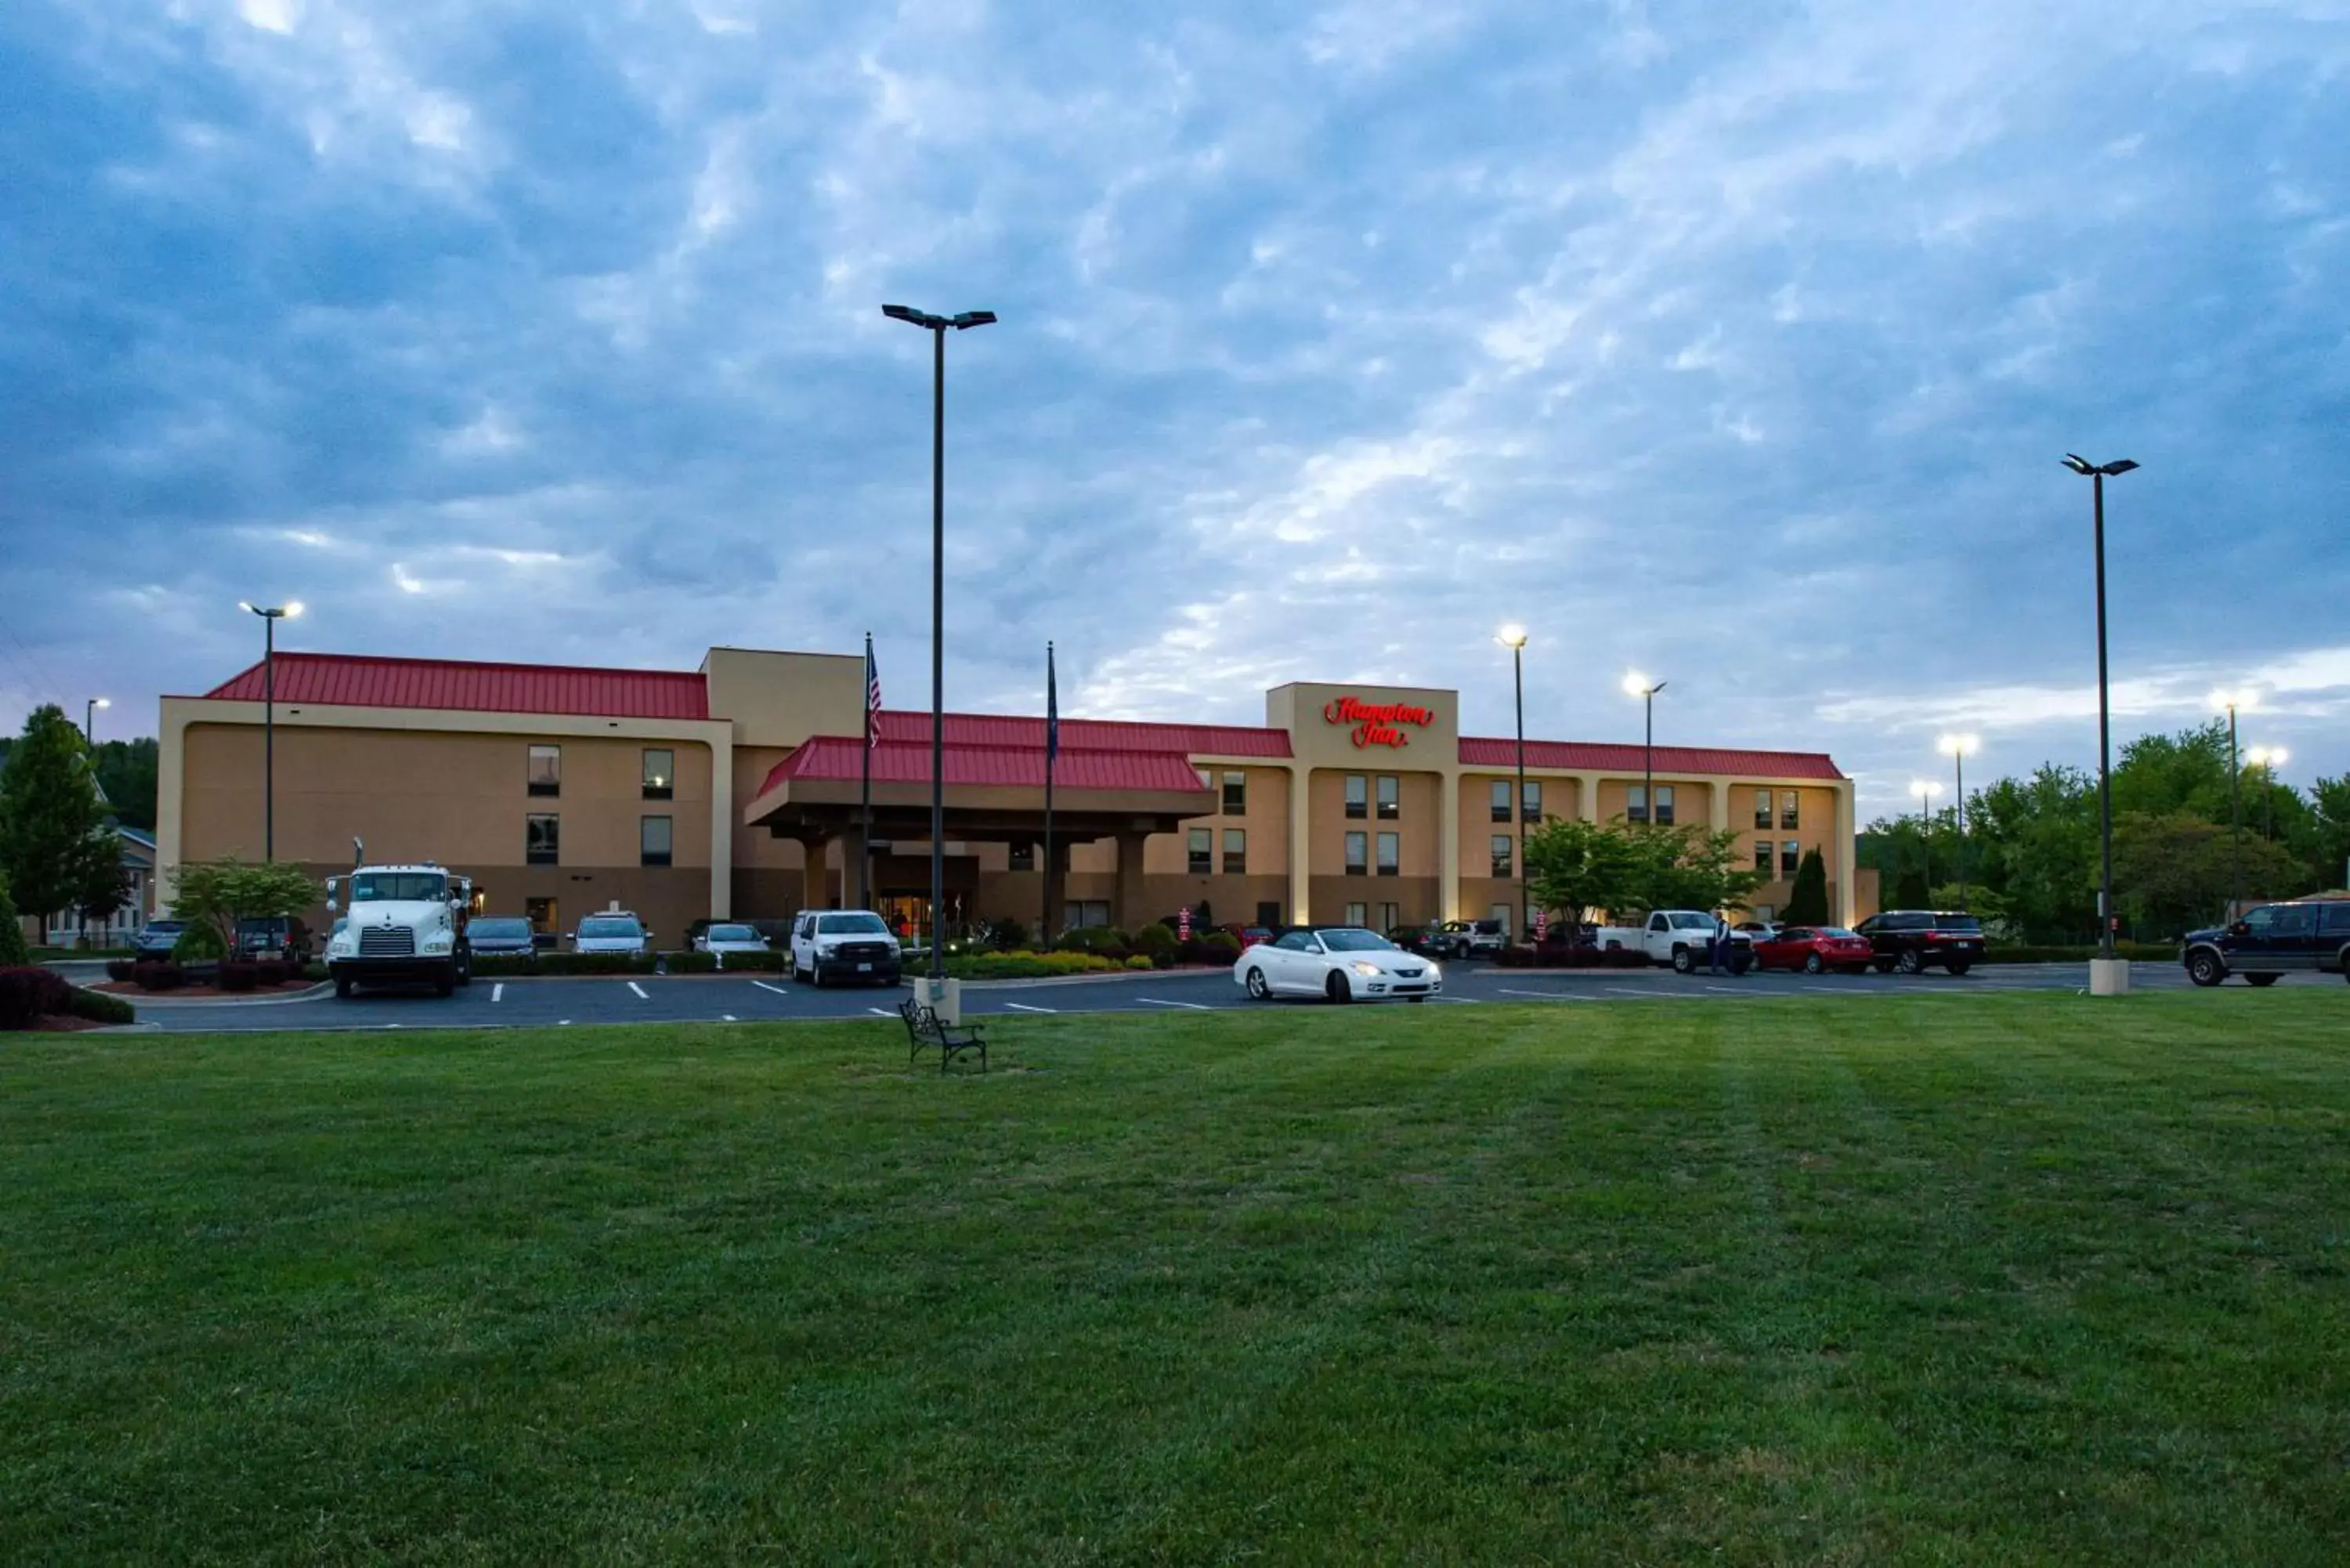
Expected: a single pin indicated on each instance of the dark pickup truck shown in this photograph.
(2272, 941)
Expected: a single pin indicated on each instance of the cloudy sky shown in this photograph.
(1738, 343)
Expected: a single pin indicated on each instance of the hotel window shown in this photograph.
(1390, 797)
(547, 770)
(1235, 851)
(1664, 806)
(1505, 856)
(1390, 917)
(1501, 800)
(1359, 854)
(1762, 809)
(653, 840)
(1790, 819)
(1390, 854)
(1087, 914)
(1202, 851)
(1358, 795)
(1762, 856)
(1635, 803)
(660, 774)
(1024, 857)
(1354, 913)
(544, 836)
(1236, 794)
(1791, 859)
(1531, 807)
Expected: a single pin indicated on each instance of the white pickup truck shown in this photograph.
(1677, 937)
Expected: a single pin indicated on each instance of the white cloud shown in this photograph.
(271, 15)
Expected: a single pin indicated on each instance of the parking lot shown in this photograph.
(743, 998)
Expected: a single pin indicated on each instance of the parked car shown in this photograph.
(156, 939)
(501, 934)
(844, 944)
(2271, 941)
(1911, 941)
(1484, 936)
(613, 931)
(1342, 963)
(273, 936)
(1814, 949)
(726, 938)
(1252, 935)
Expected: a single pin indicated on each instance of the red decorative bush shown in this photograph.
(28, 995)
(119, 970)
(236, 975)
(157, 976)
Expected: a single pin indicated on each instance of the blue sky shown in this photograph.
(1735, 343)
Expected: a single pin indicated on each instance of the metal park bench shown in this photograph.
(925, 1032)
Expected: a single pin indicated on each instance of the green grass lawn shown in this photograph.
(2001, 1279)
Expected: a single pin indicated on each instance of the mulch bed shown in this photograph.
(59, 1024)
(198, 992)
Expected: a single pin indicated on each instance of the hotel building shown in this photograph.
(732, 792)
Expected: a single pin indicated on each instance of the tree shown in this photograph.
(1807, 904)
(127, 771)
(217, 894)
(1573, 865)
(2176, 871)
(1909, 890)
(1693, 867)
(49, 813)
(107, 887)
(14, 953)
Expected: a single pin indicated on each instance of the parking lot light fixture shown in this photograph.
(1513, 638)
(270, 617)
(1639, 685)
(2228, 702)
(1959, 748)
(89, 720)
(937, 326)
(2096, 473)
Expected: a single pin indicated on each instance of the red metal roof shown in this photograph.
(1088, 735)
(338, 680)
(836, 758)
(1483, 753)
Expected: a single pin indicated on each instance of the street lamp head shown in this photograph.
(2073, 461)
(2243, 701)
(1511, 636)
(101, 702)
(292, 608)
(2082, 466)
(2119, 466)
(1959, 745)
(971, 319)
(247, 607)
(2266, 756)
(1925, 789)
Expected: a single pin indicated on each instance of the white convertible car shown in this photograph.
(1344, 963)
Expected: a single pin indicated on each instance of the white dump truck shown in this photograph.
(401, 924)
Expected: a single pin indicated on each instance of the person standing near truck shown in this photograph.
(1717, 951)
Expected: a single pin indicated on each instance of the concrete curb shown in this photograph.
(144, 999)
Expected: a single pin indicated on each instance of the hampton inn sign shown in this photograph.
(1375, 723)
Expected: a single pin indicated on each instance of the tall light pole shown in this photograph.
(269, 620)
(2268, 759)
(2228, 703)
(1959, 748)
(1925, 790)
(1513, 638)
(2097, 474)
(1638, 685)
(89, 721)
(936, 325)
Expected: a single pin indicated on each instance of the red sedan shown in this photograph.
(1815, 950)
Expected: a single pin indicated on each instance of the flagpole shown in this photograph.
(1052, 749)
(865, 790)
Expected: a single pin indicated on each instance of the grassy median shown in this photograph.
(1998, 1279)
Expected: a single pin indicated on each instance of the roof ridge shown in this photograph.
(284, 654)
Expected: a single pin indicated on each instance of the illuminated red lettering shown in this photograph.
(1375, 723)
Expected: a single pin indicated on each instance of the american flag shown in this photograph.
(872, 696)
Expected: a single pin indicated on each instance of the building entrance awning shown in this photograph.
(993, 793)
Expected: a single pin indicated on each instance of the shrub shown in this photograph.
(100, 1008)
(1220, 947)
(202, 942)
(315, 971)
(687, 962)
(1140, 960)
(1027, 965)
(1156, 944)
(13, 951)
(772, 962)
(28, 995)
(1104, 941)
(1010, 935)
(238, 975)
(119, 970)
(158, 975)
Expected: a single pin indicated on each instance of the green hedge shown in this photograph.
(100, 1008)
(1035, 966)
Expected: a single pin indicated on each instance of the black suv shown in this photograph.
(1911, 940)
(258, 935)
(2272, 940)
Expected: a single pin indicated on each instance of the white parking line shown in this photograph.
(778, 990)
(564, 1023)
(880, 1013)
(1540, 995)
(726, 1018)
(1194, 1006)
(1024, 1007)
(643, 995)
(498, 993)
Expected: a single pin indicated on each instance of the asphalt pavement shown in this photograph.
(766, 998)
